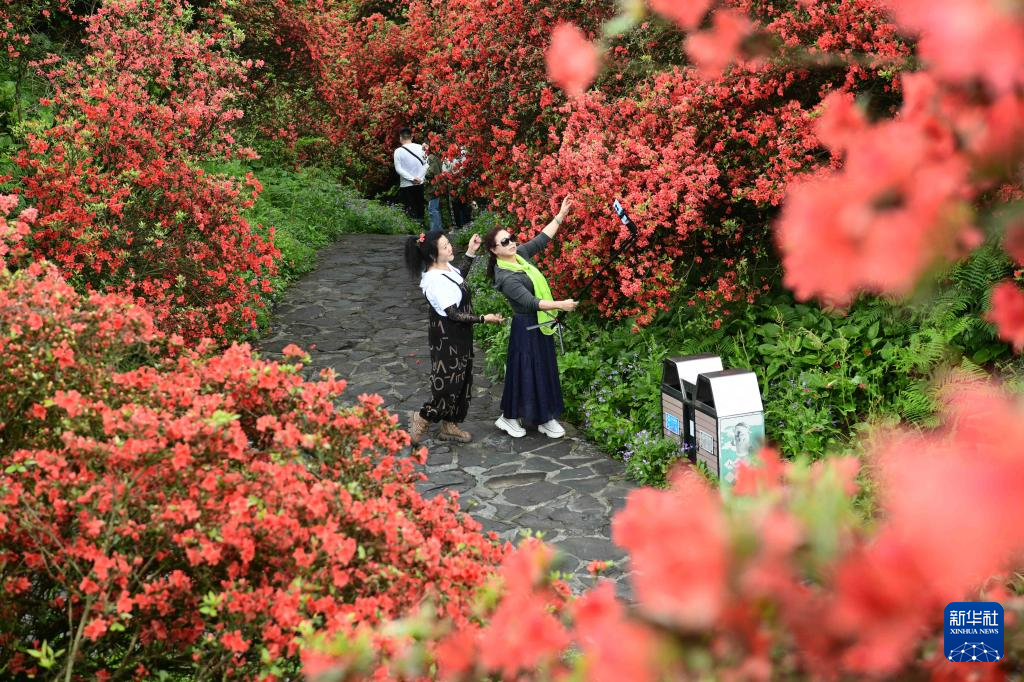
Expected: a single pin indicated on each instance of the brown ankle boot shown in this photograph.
(417, 428)
(451, 431)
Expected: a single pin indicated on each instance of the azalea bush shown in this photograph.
(123, 205)
(167, 510)
(700, 158)
(789, 576)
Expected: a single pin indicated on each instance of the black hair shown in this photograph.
(490, 241)
(404, 132)
(420, 255)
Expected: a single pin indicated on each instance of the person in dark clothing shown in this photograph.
(450, 332)
(532, 390)
(430, 192)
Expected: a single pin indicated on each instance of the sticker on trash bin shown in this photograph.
(672, 423)
(738, 438)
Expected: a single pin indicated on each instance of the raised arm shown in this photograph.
(466, 264)
(467, 261)
(551, 229)
(534, 246)
(537, 244)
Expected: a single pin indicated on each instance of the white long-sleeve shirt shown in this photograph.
(408, 167)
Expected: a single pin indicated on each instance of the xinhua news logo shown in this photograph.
(974, 631)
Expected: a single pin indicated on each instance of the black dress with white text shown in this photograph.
(451, 359)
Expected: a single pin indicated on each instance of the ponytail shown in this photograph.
(421, 252)
(490, 241)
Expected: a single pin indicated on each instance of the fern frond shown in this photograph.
(916, 404)
(973, 370)
(976, 274)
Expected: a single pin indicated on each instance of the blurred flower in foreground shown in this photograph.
(571, 60)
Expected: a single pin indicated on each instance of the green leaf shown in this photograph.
(812, 342)
(221, 418)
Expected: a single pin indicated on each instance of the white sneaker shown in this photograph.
(510, 426)
(551, 429)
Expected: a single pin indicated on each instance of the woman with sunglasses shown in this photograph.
(450, 332)
(532, 391)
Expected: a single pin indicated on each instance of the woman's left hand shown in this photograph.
(474, 244)
(566, 206)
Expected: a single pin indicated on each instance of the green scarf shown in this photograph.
(540, 288)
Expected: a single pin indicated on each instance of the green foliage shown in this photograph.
(492, 337)
(308, 210)
(611, 383)
(649, 458)
(950, 334)
(20, 91)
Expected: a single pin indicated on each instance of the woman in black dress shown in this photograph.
(532, 390)
(450, 333)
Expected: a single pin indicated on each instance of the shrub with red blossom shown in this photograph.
(124, 205)
(701, 158)
(781, 579)
(169, 510)
(920, 189)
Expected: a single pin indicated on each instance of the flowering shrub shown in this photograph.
(910, 188)
(194, 513)
(701, 160)
(701, 135)
(123, 203)
(784, 578)
(360, 65)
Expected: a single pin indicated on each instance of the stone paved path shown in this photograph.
(369, 323)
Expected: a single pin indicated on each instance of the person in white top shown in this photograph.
(450, 333)
(411, 166)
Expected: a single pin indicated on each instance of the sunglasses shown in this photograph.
(506, 241)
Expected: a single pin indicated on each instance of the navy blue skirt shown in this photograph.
(532, 390)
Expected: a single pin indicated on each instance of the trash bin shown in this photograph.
(678, 385)
(729, 420)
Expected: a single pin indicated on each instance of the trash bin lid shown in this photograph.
(687, 367)
(730, 392)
